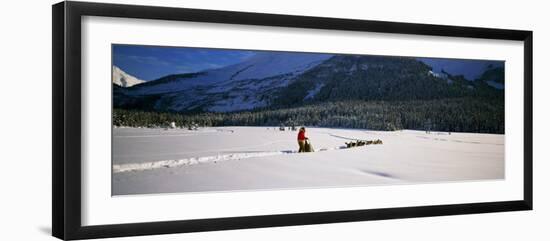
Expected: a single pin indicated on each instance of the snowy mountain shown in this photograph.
(381, 78)
(260, 66)
(280, 80)
(241, 86)
(123, 79)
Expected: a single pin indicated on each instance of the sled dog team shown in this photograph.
(305, 145)
(362, 143)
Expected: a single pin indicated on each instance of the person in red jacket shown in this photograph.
(302, 139)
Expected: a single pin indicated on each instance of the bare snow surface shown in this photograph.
(149, 161)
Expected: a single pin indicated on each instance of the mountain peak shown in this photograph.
(124, 79)
(268, 64)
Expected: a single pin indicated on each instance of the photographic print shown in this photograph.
(189, 119)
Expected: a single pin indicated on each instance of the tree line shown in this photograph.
(467, 114)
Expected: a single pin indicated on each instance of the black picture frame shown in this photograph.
(66, 127)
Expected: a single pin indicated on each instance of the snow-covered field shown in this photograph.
(251, 158)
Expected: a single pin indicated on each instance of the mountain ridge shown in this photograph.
(272, 80)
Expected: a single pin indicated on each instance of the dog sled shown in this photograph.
(308, 147)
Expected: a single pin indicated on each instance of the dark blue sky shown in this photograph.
(152, 62)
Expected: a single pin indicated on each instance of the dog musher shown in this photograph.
(303, 141)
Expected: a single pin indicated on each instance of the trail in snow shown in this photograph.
(459, 141)
(144, 166)
(190, 161)
(160, 134)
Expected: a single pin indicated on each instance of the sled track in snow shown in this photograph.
(144, 166)
(190, 161)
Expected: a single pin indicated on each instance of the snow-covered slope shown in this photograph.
(269, 64)
(241, 86)
(260, 66)
(123, 79)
